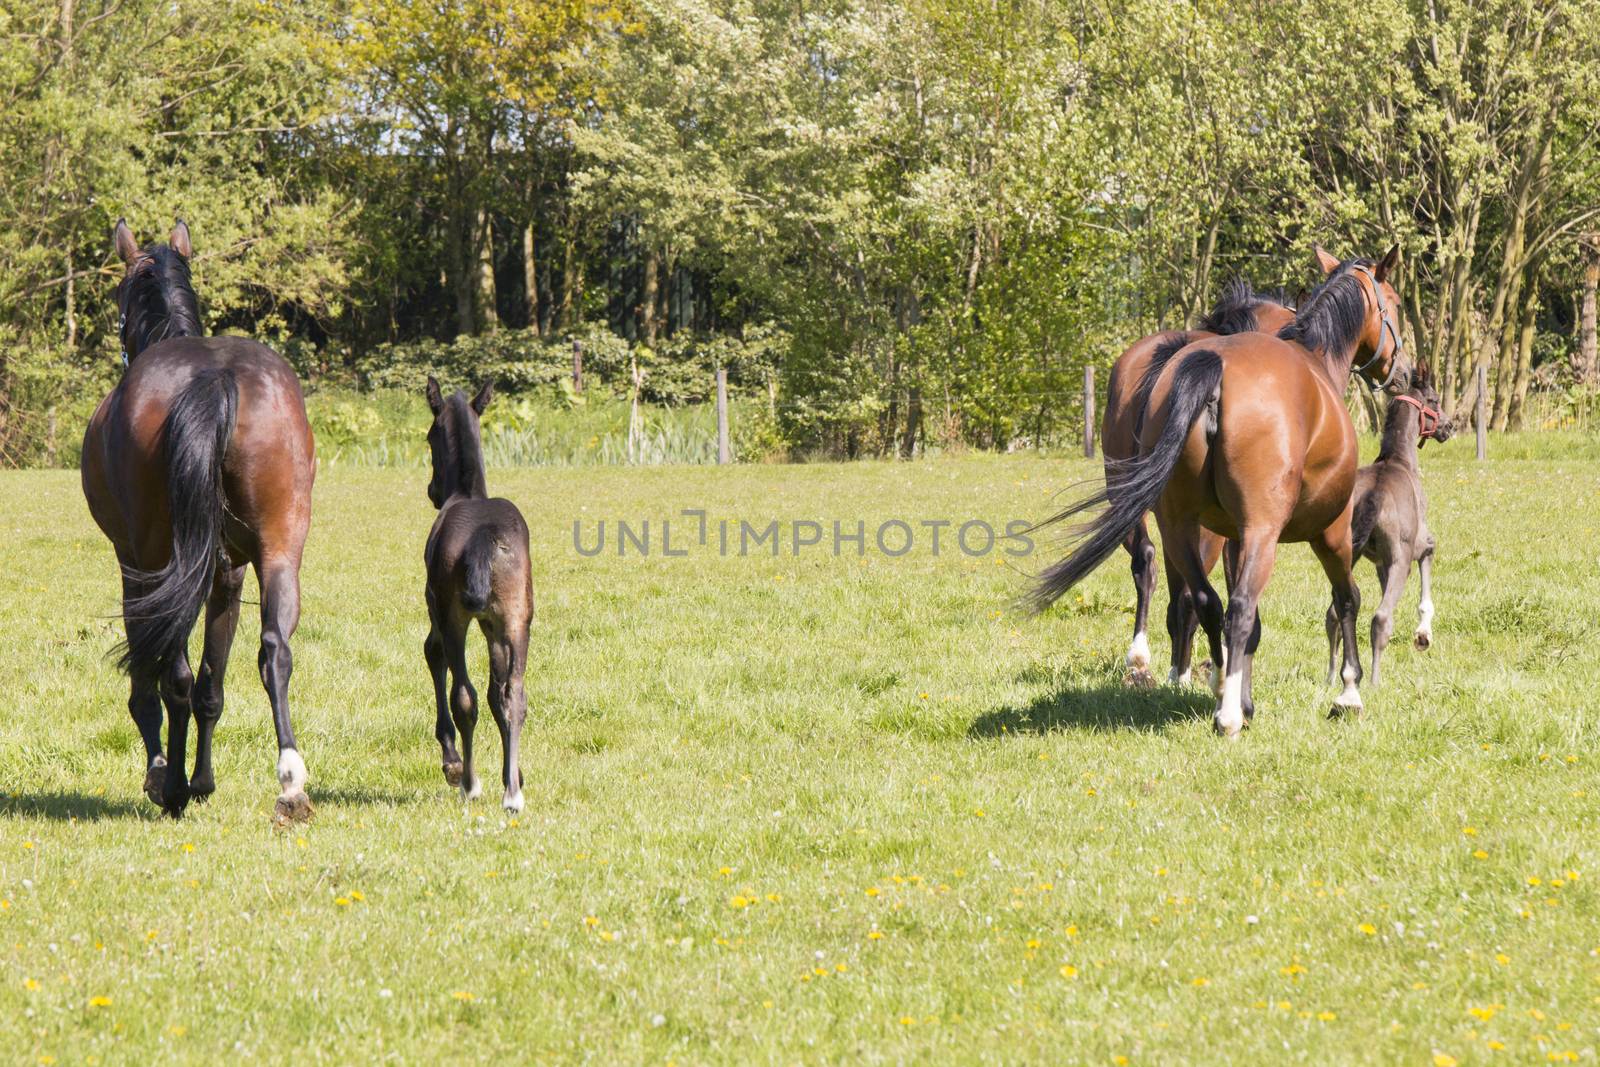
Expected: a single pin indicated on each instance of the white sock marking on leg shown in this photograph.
(1139, 652)
(1230, 712)
(291, 771)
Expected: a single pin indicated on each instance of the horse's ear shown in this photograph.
(1328, 262)
(1390, 259)
(1300, 296)
(123, 239)
(180, 239)
(435, 397)
(485, 395)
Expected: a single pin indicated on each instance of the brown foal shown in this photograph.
(478, 570)
(1389, 523)
(198, 464)
(1247, 436)
(1240, 309)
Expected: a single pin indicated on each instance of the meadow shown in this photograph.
(818, 807)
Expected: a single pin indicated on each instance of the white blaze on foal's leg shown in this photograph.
(1139, 652)
(1230, 709)
(1218, 672)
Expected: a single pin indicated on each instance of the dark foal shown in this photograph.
(1389, 524)
(478, 569)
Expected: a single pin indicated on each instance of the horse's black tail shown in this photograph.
(1134, 485)
(194, 439)
(478, 561)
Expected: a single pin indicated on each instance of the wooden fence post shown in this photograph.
(1483, 430)
(577, 366)
(1088, 411)
(724, 453)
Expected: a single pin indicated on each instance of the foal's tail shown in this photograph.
(478, 561)
(1134, 485)
(195, 438)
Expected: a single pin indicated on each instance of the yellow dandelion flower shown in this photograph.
(1497, 1046)
(1068, 971)
(1368, 929)
(1120, 1061)
(99, 1002)
(739, 902)
(343, 902)
(30, 984)
(1479, 854)
(1470, 831)
(1198, 982)
(1443, 1059)
(906, 1020)
(1502, 959)
(1535, 1013)
(876, 935)
(774, 898)
(724, 871)
(1072, 931)
(872, 890)
(462, 994)
(841, 967)
(357, 895)
(1033, 942)
(1326, 1016)
(591, 920)
(1284, 1005)
(177, 1031)
(1534, 879)
(187, 847)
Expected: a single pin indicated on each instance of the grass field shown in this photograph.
(821, 809)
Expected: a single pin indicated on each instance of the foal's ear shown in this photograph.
(180, 239)
(1327, 261)
(122, 238)
(485, 395)
(1390, 259)
(435, 397)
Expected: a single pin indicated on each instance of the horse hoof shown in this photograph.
(1140, 678)
(1227, 733)
(200, 790)
(292, 808)
(513, 803)
(1423, 640)
(1344, 711)
(452, 773)
(154, 779)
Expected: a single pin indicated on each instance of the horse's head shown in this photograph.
(455, 440)
(1380, 350)
(1432, 424)
(155, 300)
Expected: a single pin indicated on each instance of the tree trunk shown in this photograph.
(1519, 388)
(1588, 367)
(72, 308)
(488, 314)
(647, 298)
(913, 422)
(530, 279)
(458, 233)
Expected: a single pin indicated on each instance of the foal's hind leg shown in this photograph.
(1424, 637)
(222, 617)
(463, 703)
(1181, 622)
(1143, 551)
(1185, 552)
(443, 728)
(508, 660)
(1392, 582)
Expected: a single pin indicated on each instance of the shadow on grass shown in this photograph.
(1109, 705)
(357, 795)
(65, 806)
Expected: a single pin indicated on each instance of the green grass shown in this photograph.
(848, 748)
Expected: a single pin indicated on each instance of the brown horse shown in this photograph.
(1247, 436)
(1389, 517)
(478, 569)
(1240, 309)
(196, 465)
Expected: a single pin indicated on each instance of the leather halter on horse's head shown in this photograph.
(1428, 419)
(1389, 333)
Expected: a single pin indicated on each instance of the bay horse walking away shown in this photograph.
(478, 569)
(1389, 520)
(198, 464)
(1247, 436)
(1240, 309)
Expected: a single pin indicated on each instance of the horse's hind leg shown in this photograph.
(280, 614)
(1182, 621)
(1424, 636)
(222, 618)
(177, 692)
(508, 659)
(1143, 551)
(1186, 553)
(1248, 574)
(1232, 575)
(144, 707)
(463, 703)
(443, 728)
(1333, 552)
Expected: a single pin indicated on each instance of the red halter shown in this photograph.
(1427, 418)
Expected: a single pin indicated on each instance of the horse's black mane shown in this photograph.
(1235, 312)
(466, 446)
(1333, 316)
(161, 302)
